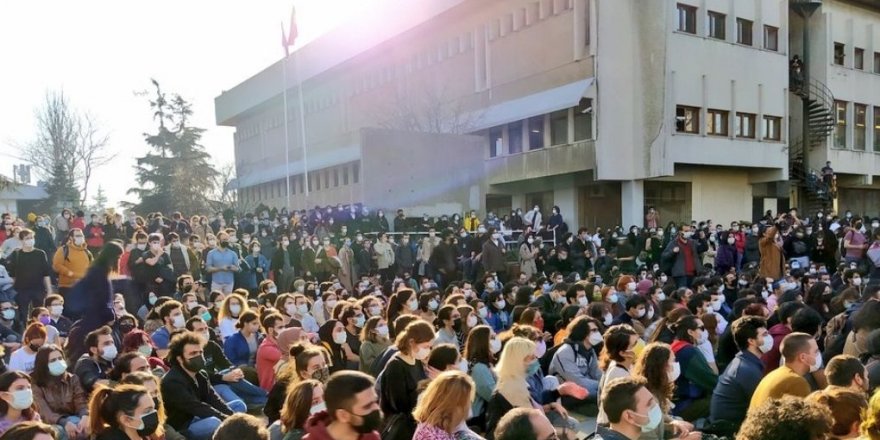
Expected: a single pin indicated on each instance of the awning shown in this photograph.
(547, 101)
(317, 160)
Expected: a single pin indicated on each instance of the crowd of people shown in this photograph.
(337, 323)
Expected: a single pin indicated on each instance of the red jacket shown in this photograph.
(316, 429)
(94, 235)
(268, 354)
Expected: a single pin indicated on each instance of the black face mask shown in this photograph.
(195, 364)
(34, 347)
(370, 422)
(456, 325)
(187, 288)
(224, 244)
(126, 327)
(151, 423)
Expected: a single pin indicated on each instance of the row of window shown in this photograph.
(527, 16)
(529, 134)
(687, 120)
(334, 177)
(860, 129)
(717, 27)
(858, 57)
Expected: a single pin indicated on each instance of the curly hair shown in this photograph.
(788, 418)
(870, 428)
(652, 366)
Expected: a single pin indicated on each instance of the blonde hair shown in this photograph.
(870, 427)
(512, 374)
(446, 401)
(224, 306)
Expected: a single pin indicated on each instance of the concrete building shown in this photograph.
(19, 199)
(600, 107)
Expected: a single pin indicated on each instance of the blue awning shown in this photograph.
(547, 101)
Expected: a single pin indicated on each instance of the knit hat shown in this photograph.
(644, 287)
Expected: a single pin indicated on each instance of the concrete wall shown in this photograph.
(439, 173)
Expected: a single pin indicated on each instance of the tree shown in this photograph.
(68, 147)
(224, 196)
(177, 174)
(99, 201)
(425, 106)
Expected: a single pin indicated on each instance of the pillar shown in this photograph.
(565, 196)
(632, 203)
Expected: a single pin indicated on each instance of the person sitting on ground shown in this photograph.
(524, 424)
(845, 371)
(802, 356)
(241, 427)
(352, 409)
(846, 406)
(788, 418)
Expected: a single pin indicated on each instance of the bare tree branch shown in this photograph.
(92, 151)
(426, 107)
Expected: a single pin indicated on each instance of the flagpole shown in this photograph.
(286, 132)
(302, 122)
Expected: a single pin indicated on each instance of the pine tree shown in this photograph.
(99, 200)
(61, 189)
(176, 175)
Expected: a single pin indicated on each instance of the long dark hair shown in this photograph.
(476, 349)
(41, 376)
(108, 258)
(298, 404)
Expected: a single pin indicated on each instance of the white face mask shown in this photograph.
(331, 303)
(661, 296)
(856, 282)
(340, 337)
(22, 399)
(413, 305)
(582, 301)
(704, 336)
(541, 349)
(631, 286)
(463, 366)
(494, 345)
(382, 330)
(79, 240)
(29, 243)
(56, 310)
(650, 313)
(640, 313)
(613, 298)
(595, 338)
(318, 408)
(235, 309)
(109, 353)
(472, 321)
(178, 321)
(422, 353)
(767, 344)
(716, 305)
(483, 312)
(375, 310)
(608, 319)
(818, 364)
(655, 416)
(675, 373)
(500, 304)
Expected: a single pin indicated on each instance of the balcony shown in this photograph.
(549, 161)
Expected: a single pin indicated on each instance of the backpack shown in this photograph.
(547, 359)
(65, 250)
(836, 331)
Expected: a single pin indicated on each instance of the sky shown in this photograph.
(102, 54)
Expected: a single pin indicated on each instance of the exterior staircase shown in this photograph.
(820, 122)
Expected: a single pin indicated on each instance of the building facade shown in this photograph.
(600, 107)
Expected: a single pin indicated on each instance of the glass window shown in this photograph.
(716, 123)
(876, 62)
(536, 132)
(716, 25)
(687, 119)
(840, 125)
(743, 31)
(345, 175)
(839, 51)
(496, 142)
(861, 127)
(877, 129)
(515, 136)
(335, 177)
(859, 59)
(772, 128)
(771, 38)
(745, 125)
(559, 127)
(583, 120)
(687, 19)
(355, 172)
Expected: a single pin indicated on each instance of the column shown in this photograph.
(565, 196)
(632, 203)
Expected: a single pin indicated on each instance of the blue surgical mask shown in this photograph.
(533, 368)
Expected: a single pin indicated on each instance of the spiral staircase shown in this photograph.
(820, 123)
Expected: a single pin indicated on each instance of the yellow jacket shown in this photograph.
(471, 224)
(77, 262)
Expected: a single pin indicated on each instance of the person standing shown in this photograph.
(71, 261)
(770, 246)
(29, 268)
(384, 256)
(493, 256)
(682, 253)
(222, 264)
(62, 226)
(94, 233)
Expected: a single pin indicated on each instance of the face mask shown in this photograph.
(463, 366)
(422, 353)
(29, 243)
(613, 298)
(856, 282)
(57, 368)
(79, 240)
(359, 321)
(472, 321)
(126, 327)
(494, 345)
(340, 337)
(661, 296)
(433, 304)
(371, 422)
(582, 301)
(641, 313)
(595, 338)
(533, 368)
(412, 305)
(195, 364)
(818, 364)
(318, 408)
(608, 319)
(9, 314)
(375, 310)
(152, 300)
(331, 303)
(109, 353)
(500, 304)
(704, 336)
(716, 305)
(191, 305)
(235, 309)
(541, 349)
(149, 424)
(206, 316)
(178, 321)
(650, 314)
(382, 330)
(676, 371)
(22, 399)
(767, 344)
(56, 310)
(655, 416)
(145, 350)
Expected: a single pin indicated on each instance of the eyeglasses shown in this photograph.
(701, 328)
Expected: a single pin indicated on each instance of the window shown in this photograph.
(515, 137)
(716, 122)
(859, 59)
(839, 50)
(743, 31)
(716, 25)
(326, 174)
(536, 132)
(745, 125)
(335, 177)
(345, 175)
(687, 19)
(559, 127)
(583, 120)
(861, 126)
(771, 38)
(355, 172)
(496, 142)
(687, 119)
(840, 124)
(876, 62)
(772, 128)
(877, 129)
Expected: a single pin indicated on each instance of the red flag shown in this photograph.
(289, 38)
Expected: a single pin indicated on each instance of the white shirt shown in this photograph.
(227, 327)
(22, 361)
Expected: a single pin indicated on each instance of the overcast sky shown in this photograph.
(103, 53)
